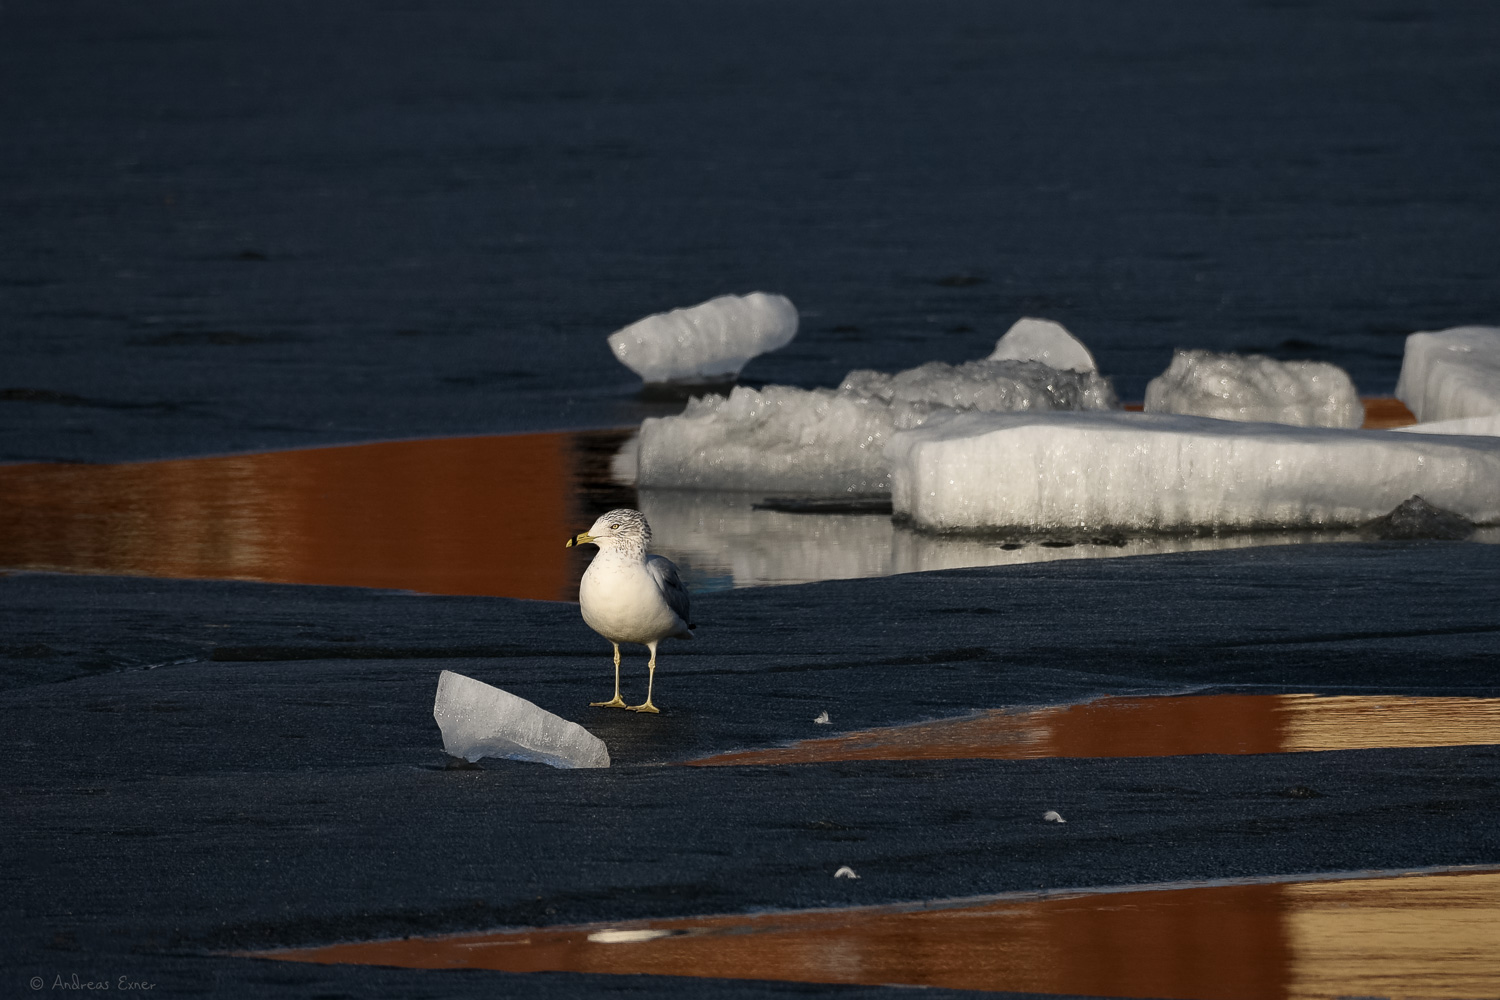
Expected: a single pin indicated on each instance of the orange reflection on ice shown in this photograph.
(1161, 726)
(1428, 935)
(479, 515)
(1385, 412)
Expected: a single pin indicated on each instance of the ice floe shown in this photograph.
(480, 720)
(1030, 339)
(1159, 472)
(829, 442)
(706, 343)
(1252, 387)
(1452, 375)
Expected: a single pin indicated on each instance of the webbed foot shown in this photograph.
(616, 702)
(645, 706)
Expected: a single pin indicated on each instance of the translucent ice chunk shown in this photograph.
(1042, 340)
(992, 386)
(479, 720)
(1253, 387)
(1154, 472)
(1451, 374)
(709, 342)
(830, 442)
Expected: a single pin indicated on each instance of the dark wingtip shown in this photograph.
(692, 626)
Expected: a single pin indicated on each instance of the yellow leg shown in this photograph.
(616, 701)
(646, 705)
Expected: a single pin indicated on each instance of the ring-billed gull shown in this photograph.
(629, 596)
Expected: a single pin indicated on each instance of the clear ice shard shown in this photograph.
(832, 442)
(1070, 472)
(480, 720)
(1452, 374)
(1252, 387)
(1030, 339)
(706, 343)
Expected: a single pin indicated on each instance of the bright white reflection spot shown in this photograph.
(627, 937)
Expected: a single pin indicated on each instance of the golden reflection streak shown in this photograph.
(1424, 935)
(1160, 726)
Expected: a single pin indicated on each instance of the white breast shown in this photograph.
(621, 601)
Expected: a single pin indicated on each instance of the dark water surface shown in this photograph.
(244, 226)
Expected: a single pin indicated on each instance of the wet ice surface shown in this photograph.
(281, 737)
(480, 720)
(1419, 934)
(1161, 726)
(709, 342)
(1255, 388)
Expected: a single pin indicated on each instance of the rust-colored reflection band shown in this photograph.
(479, 515)
(1382, 413)
(1161, 726)
(1265, 941)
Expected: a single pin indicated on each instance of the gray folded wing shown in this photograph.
(664, 572)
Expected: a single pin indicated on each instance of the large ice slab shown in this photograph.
(1253, 387)
(1030, 339)
(709, 342)
(480, 720)
(1451, 374)
(1157, 472)
(832, 442)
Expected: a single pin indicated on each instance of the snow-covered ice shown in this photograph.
(480, 720)
(780, 437)
(1157, 472)
(1451, 374)
(1042, 340)
(1253, 387)
(830, 442)
(709, 342)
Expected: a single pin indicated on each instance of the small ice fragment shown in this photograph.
(706, 343)
(1053, 816)
(479, 720)
(822, 719)
(1042, 340)
(628, 937)
(845, 872)
(1253, 387)
(1451, 374)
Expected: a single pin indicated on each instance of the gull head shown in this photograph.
(622, 528)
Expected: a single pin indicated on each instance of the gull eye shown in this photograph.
(614, 527)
